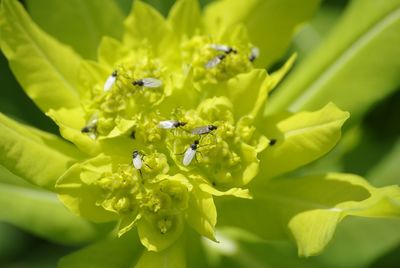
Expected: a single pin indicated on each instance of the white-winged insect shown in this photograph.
(254, 54)
(214, 61)
(203, 130)
(110, 81)
(91, 127)
(148, 82)
(137, 161)
(170, 124)
(190, 153)
(223, 48)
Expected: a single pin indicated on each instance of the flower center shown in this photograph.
(136, 85)
(180, 141)
(213, 62)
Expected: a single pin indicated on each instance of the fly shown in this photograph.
(110, 81)
(137, 161)
(148, 82)
(203, 130)
(91, 127)
(254, 54)
(170, 124)
(215, 61)
(223, 48)
(190, 153)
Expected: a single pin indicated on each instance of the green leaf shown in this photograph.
(354, 67)
(388, 169)
(110, 51)
(311, 207)
(252, 86)
(270, 23)
(172, 257)
(269, 84)
(120, 252)
(145, 24)
(12, 241)
(76, 192)
(300, 139)
(153, 239)
(359, 241)
(202, 214)
(185, 17)
(45, 68)
(30, 208)
(246, 250)
(35, 156)
(80, 24)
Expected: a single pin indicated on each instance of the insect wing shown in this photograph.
(223, 48)
(188, 156)
(200, 130)
(167, 124)
(137, 162)
(255, 53)
(151, 82)
(109, 82)
(92, 135)
(213, 62)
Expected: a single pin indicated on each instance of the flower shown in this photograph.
(212, 151)
(170, 122)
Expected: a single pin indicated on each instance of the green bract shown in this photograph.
(169, 120)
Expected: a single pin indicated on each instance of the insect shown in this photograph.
(91, 127)
(110, 81)
(137, 161)
(203, 130)
(255, 53)
(148, 82)
(170, 124)
(190, 153)
(223, 48)
(215, 61)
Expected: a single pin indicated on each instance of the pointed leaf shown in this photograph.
(358, 242)
(245, 86)
(311, 207)
(300, 139)
(173, 257)
(76, 191)
(110, 51)
(270, 23)
(45, 68)
(39, 159)
(120, 252)
(184, 17)
(278, 75)
(147, 24)
(268, 85)
(202, 214)
(354, 67)
(29, 208)
(80, 24)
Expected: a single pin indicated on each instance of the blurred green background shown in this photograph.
(357, 243)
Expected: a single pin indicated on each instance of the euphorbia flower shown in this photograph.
(136, 114)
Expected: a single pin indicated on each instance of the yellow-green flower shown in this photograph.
(169, 125)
